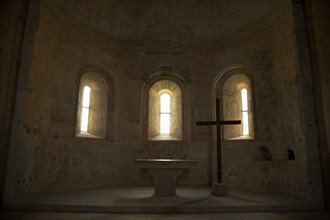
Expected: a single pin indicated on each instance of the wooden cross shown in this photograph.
(218, 122)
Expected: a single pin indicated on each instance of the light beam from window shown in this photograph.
(165, 111)
(85, 109)
(245, 112)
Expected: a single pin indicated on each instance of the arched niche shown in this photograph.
(96, 108)
(175, 111)
(101, 106)
(290, 155)
(154, 87)
(234, 88)
(261, 153)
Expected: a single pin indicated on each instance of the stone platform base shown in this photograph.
(141, 199)
(219, 189)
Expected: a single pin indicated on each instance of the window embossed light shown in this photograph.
(85, 109)
(245, 112)
(165, 113)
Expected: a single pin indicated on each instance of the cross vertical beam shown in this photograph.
(218, 123)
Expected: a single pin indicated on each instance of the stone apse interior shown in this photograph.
(253, 55)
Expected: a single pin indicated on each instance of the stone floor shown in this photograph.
(139, 203)
(203, 216)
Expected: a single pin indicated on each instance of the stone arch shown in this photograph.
(103, 102)
(175, 85)
(228, 84)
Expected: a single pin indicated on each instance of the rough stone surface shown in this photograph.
(197, 45)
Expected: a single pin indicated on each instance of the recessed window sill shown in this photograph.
(84, 134)
(164, 137)
(240, 138)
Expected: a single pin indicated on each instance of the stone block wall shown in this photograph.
(51, 158)
(12, 19)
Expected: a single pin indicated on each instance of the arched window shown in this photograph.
(245, 112)
(92, 115)
(237, 105)
(165, 111)
(85, 109)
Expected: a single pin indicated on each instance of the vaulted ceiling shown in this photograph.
(169, 23)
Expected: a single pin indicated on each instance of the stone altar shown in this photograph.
(165, 173)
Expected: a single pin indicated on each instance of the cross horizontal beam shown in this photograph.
(231, 122)
(218, 124)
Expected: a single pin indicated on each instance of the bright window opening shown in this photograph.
(85, 109)
(245, 112)
(165, 111)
